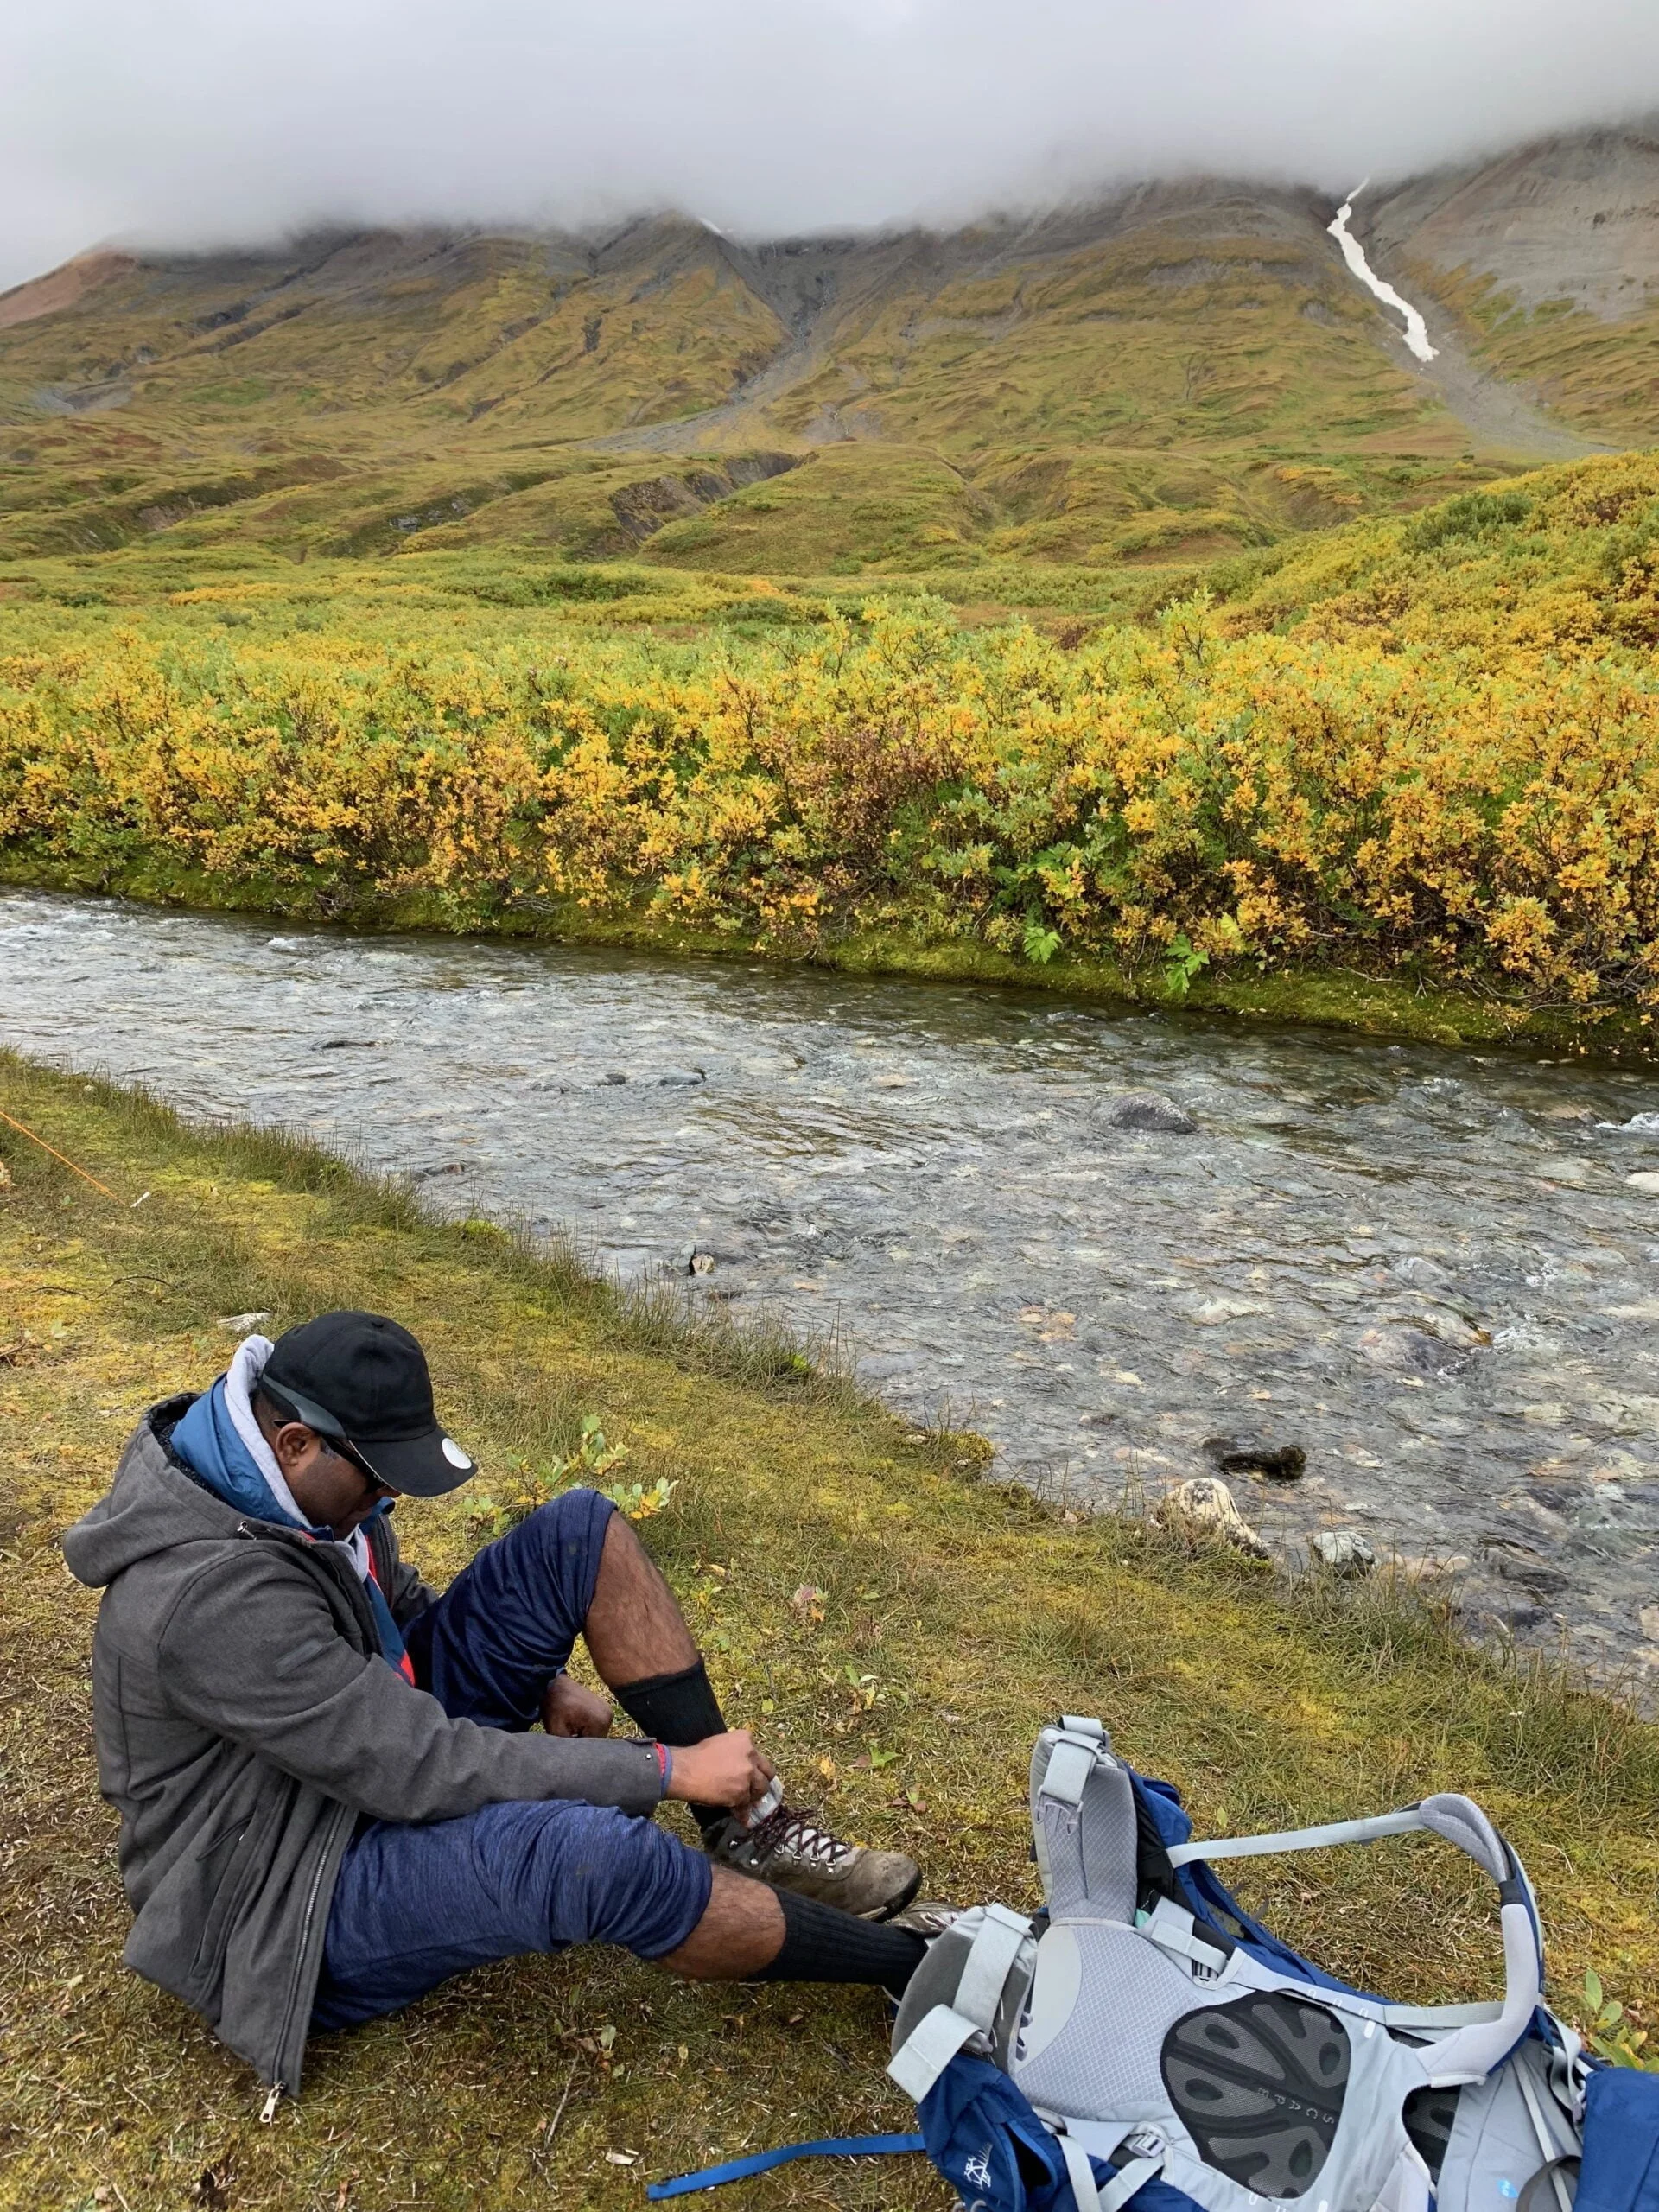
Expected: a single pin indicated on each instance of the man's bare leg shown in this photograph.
(741, 1930)
(642, 1649)
(749, 1932)
(634, 1627)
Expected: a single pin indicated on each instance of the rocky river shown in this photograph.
(1104, 1237)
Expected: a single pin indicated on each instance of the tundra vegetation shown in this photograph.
(1421, 749)
(896, 1623)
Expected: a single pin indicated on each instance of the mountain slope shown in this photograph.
(1547, 261)
(1177, 371)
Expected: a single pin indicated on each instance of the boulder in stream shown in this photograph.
(1149, 1110)
(1342, 1551)
(1255, 1455)
(1202, 1511)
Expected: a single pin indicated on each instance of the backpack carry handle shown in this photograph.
(1475, 2046)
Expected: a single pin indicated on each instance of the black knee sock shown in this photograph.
(678, 1709)
(821, 1944)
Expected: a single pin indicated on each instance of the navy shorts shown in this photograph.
(415, 1904)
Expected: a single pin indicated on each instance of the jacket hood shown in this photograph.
(153, 1504)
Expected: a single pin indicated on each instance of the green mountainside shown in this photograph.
(1174, 374)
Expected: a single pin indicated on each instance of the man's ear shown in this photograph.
(292, 1442)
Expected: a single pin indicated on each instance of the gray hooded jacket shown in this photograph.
(244, 1720)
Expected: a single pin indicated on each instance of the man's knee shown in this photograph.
(570, 1526)
(562, 1543)
(580, 1873)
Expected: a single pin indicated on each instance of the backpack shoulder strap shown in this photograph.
(1480, 2037)
(1320, 1839)
(926, 2040)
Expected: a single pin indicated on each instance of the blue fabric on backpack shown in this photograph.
(1620, 2172)
(999, 2157)
(989, 2145)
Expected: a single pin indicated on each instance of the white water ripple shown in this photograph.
(1354, 254)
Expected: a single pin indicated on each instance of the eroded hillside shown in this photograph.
(1548, 260)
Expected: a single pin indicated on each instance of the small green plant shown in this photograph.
(587, 1467)
(1040, 945)
(1610, 2033)
(1182, 961)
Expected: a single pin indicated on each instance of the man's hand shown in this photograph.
(570, 1710)
(721, 1770)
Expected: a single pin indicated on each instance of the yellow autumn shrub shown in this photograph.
(1450, 761)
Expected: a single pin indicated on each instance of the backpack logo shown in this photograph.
(977, 2171)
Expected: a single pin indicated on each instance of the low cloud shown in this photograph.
(204, 122)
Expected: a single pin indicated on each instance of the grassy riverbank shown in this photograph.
(956, 1615)
(1412, 1009)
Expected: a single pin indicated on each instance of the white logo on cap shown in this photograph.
(453, 1454)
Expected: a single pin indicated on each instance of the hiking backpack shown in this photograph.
(1172, 2052)
(1142, 2041)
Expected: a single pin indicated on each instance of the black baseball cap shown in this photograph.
(360, 1379)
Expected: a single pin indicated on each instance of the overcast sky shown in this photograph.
(203, 121)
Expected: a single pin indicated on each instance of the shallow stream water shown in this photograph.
(1426, 1268)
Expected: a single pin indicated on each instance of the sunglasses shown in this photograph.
(318, 1418)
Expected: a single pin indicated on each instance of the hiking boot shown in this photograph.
(791, 1851)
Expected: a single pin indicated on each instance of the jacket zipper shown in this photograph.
(278, 2087)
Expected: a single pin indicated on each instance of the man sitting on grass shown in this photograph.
(330, 1797)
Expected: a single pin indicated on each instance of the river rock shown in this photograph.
(1518, 1562)
(682, 1078)
(1343, 1551)
(1247, 1455)
(1417, 1268)
(1644, 1179)
(1145, 1109)
(1202, 1511)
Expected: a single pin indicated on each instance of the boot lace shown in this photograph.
(797, 1835)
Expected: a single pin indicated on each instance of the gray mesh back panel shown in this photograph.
(1259, 2085)
(1104, 2064)
(1091, 1849)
